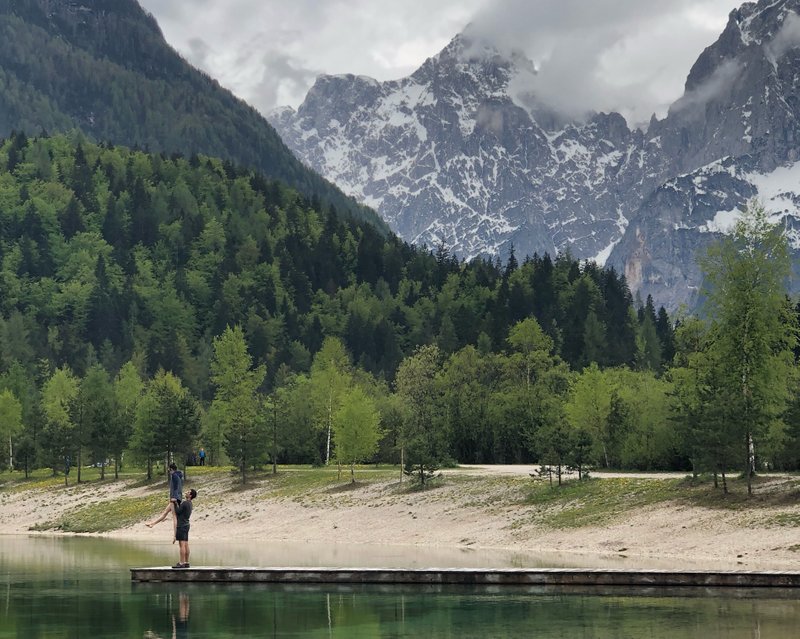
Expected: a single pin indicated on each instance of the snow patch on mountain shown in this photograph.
(778, 191)
(463, 153)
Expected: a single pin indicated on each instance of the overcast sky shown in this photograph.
(632, 56)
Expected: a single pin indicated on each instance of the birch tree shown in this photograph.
(588, 407)
(128, 389)
(357, 429)
(10, 422)
(330, 380)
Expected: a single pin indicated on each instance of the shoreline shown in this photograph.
(473, 522)
(285, 553)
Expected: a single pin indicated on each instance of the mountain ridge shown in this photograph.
(104, 68)
(480, 166)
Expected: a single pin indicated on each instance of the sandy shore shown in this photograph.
(459, 516)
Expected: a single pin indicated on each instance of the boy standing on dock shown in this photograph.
(182, 514)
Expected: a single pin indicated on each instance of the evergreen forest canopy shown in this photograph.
(153, 304)
(104, 68)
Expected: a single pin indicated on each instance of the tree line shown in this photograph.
(151, 304)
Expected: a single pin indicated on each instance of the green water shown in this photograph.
(75, 588)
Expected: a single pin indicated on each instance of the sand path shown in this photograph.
(467, 515)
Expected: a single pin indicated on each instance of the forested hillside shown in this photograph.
(111, 251)
(104, 68)
(116, 260)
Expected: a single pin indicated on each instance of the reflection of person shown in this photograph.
(182, 514)
(175, 498)
(180, 628)
(180, 625)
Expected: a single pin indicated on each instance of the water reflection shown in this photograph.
(180, 620)
(73, 587)
(36, 552)
(45, 552)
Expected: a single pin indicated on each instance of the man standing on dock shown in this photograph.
(182, 514)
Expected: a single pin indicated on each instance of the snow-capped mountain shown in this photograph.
(459, 153)
(733, 136)
(449, 155)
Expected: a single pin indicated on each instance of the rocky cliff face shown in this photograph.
(451, 155)
(458, 154)
(732, 137)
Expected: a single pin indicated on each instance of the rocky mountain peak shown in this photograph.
(767, 28)
(461, 152)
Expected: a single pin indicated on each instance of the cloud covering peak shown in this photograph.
(630, 56)
(606, 55)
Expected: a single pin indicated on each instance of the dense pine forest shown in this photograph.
(104, 68)
(152, 305)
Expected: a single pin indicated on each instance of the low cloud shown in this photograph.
(787, 38)
(282, 80)
(606, 55)
(199, 53)
(717, 84)
(630, 56)
(248, 44)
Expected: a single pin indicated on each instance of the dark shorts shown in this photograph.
(182, 534)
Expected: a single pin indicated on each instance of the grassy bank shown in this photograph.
(99, 506)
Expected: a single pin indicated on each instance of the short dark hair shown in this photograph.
(173, 466)
(193, 493)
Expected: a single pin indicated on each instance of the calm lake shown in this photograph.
(79, 587)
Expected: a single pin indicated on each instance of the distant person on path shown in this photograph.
(202, 455)
(182, 514)
(175, 498)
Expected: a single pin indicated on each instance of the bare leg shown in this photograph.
(184, 551)
(169, 509)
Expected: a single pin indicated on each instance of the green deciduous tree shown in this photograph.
(469, 381)
(330, 379)
(128, 389)
(10, 425)
(641, 434)
(356, 427)
(754, 331)
(237, 404)
(167, 421)
(21, 383)
(423, 439)
(541, 380)
(587, 409)
(58, 394)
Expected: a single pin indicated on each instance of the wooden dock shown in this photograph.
(471, 577)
